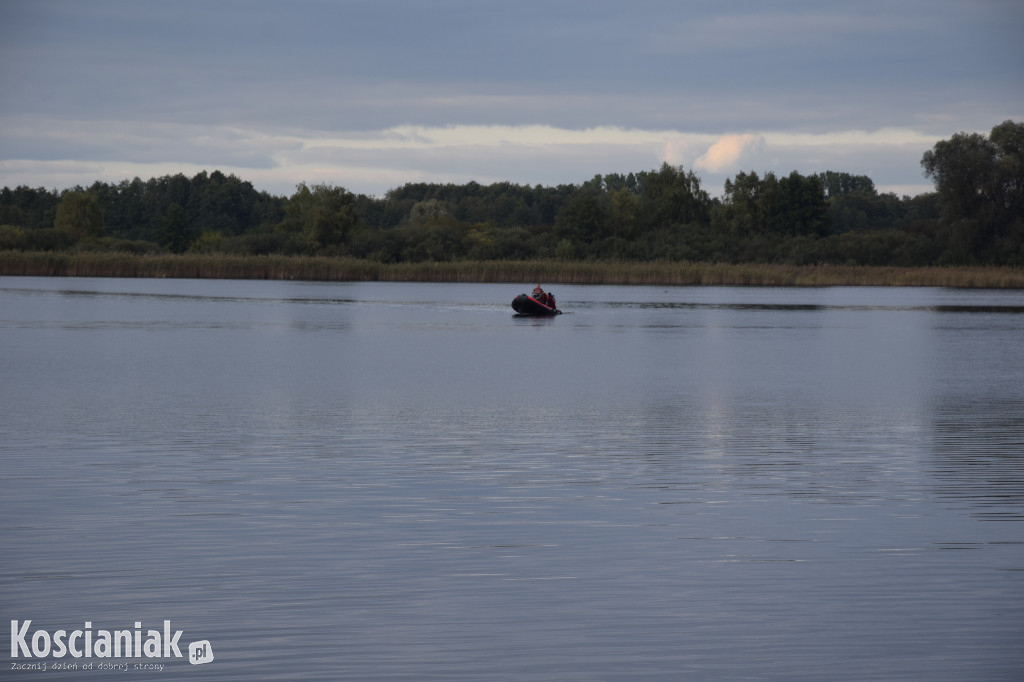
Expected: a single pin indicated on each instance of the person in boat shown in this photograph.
(544, 297)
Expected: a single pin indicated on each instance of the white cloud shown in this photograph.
(58, 154)
(724, 154)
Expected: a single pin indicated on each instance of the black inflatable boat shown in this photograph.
(528, 305)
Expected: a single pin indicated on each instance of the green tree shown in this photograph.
(324, 215)
(424, 212)
(742, 204)
(584, 218)
(962, 169)
(175, 233)
(836, 184)
(799, 208)
(28, 208)
(670, 196)
(79, 214)
(11, 237)
(980, 185)
(855, 204)
(624, 213)
(1008, 175)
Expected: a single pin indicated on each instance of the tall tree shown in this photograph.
(801, 208)
(79, 213)
(325, 215)
(961, 168)
(744, 204)
(671, 196)
(583, 219)
(836, 184)
(33, 209)
(175, 233)
(980, 183)
(1008, 192)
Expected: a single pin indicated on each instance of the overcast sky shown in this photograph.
(371, 94)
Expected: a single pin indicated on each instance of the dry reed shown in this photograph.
(661, 273)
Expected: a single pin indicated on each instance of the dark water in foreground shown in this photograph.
(405, 482)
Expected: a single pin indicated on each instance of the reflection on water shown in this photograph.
(380, 481)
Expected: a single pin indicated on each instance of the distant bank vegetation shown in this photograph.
(657, 226)
(343, 269)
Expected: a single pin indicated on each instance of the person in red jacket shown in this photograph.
(544, 297)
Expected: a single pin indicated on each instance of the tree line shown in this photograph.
(975, 216)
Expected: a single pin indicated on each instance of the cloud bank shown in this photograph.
(371, 162)
(371, 95)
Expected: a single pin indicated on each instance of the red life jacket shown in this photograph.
(545, 298)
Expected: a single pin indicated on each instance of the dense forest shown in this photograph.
(974, 217)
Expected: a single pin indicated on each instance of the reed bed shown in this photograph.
(660, 273)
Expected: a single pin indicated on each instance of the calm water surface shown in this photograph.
(371, 481)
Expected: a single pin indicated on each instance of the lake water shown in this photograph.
(381, 481)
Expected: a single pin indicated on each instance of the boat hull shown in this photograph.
(528, 305)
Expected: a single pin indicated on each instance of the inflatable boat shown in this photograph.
(528, 305)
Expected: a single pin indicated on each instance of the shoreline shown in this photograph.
(656, 273)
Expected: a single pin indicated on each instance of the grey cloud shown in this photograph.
(170, 71)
